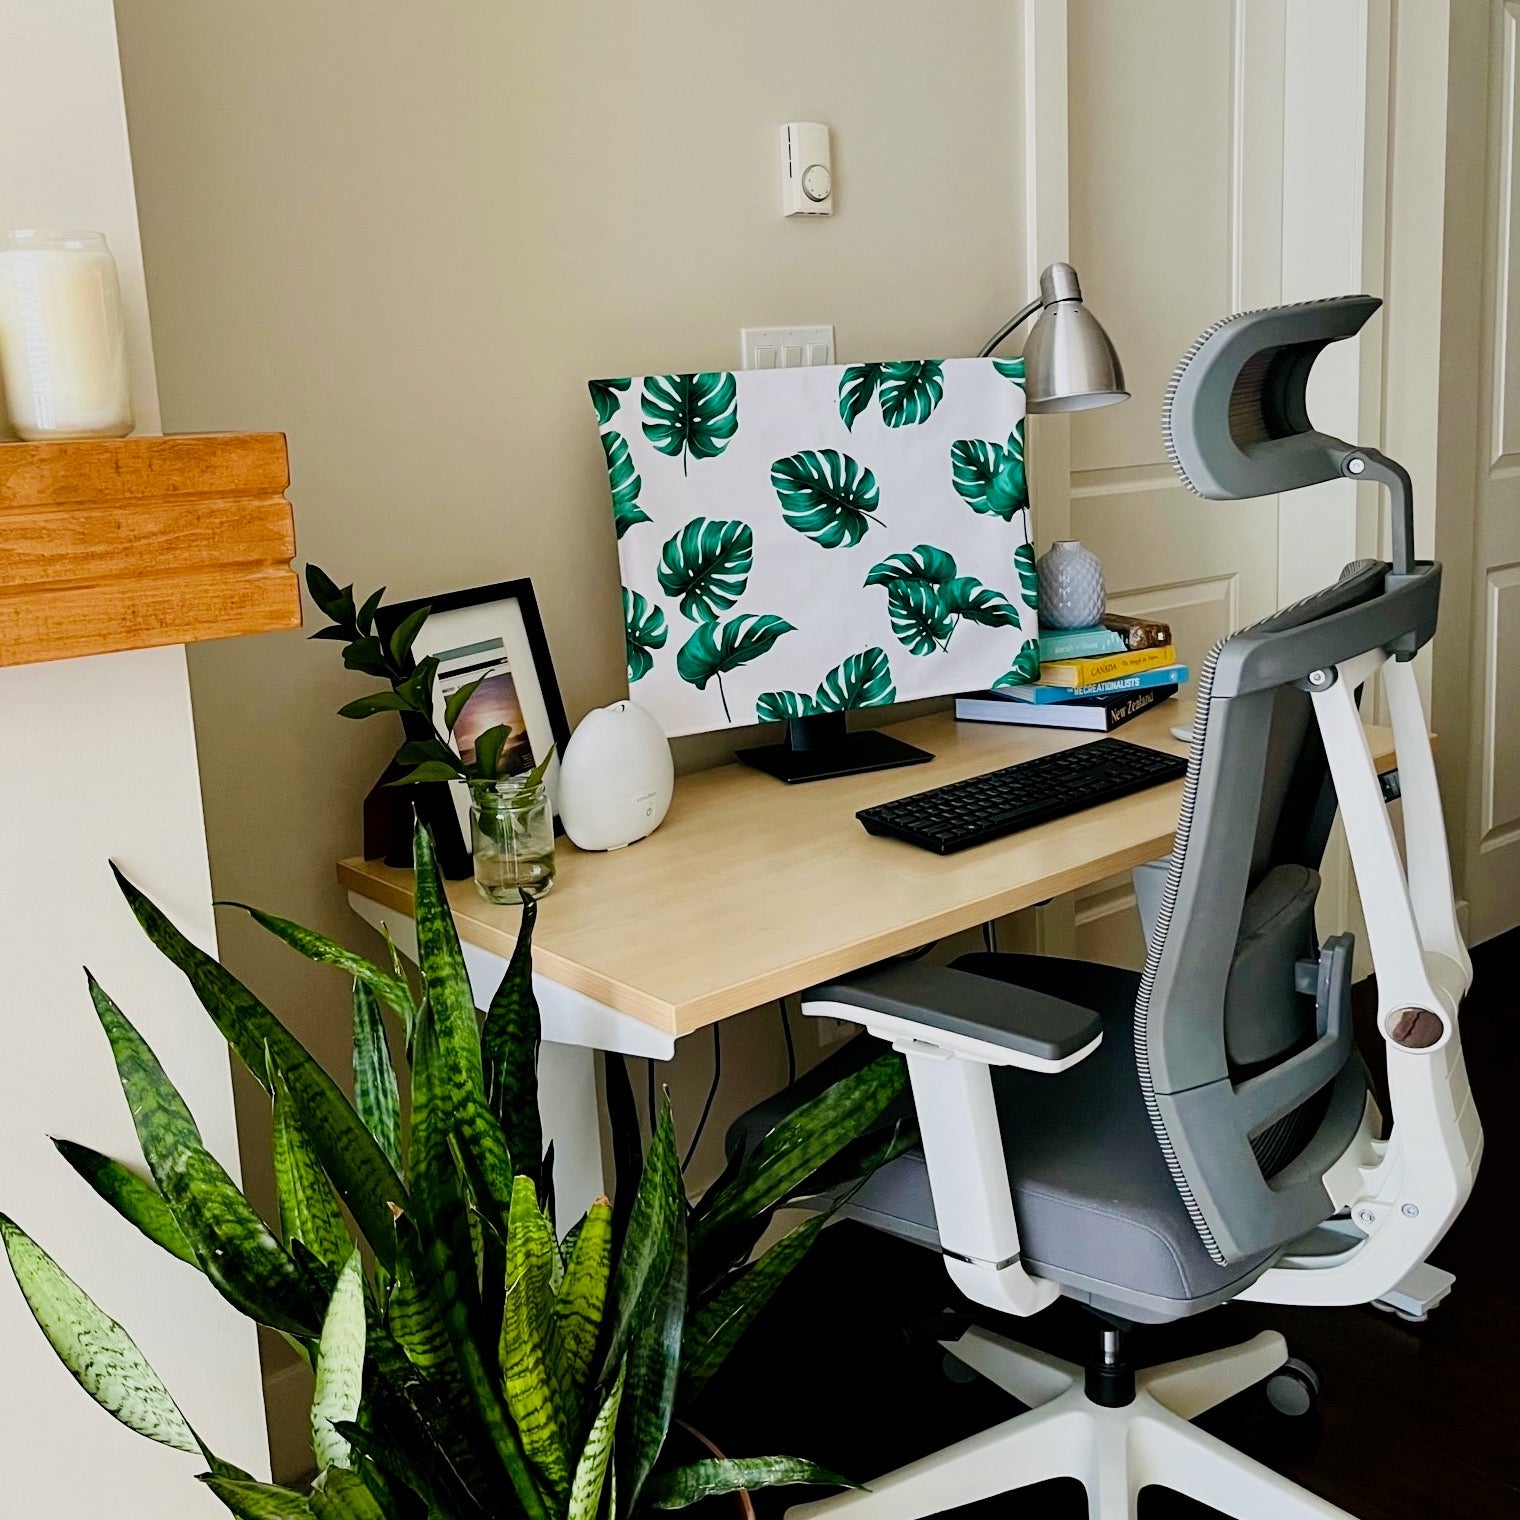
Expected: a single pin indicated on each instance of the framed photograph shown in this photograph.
(493, 634)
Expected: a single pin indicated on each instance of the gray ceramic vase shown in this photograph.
(1071, 586)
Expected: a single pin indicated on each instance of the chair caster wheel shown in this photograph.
(1293, 1390)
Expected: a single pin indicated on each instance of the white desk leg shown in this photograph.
(575, 1027)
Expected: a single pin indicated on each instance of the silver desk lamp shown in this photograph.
(1069, 363)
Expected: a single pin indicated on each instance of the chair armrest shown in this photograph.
(977, 1017)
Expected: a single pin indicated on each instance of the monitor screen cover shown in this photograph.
(798, 541)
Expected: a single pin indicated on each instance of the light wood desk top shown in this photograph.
(752, 890)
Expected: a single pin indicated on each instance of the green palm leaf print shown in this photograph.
(644, 630)
(863, 680)
(605, 398)
(921, 625)
(967, 597)
(1011, 369)
(715, 649)
(625, 483)
(690, 415)
(707, 565)
(910, 391)
(778, 706)
(925, 563)
(1029, 580)
(826, 495)
(1025, 668)
(856, 387)
(990, 476)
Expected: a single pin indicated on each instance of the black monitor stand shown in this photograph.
(820, 747)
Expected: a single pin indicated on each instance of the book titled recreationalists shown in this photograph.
(1041, 691)
(1097, 713)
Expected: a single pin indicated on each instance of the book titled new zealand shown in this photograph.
(1107, 667)
(1100, 714)
(1167, 675)
(1078, 643)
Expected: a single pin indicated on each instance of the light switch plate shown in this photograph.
(785, 347)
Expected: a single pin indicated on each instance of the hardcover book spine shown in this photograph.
(1122, 709)
(1172, 675)
(1078, 643)
(1138, 633)
(1106, 667)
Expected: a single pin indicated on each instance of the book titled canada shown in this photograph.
(1094, 670)
(1099, 714)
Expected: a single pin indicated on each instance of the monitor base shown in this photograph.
(820, 748)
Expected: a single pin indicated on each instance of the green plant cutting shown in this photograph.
(470, 1363)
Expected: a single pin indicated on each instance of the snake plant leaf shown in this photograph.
(923, 563)
(308, 1210)
(580, 1301)
(692, 416)
(625, 482)
(715, 649)
(857, 385)
(863, 680)
(396, 1458)
(989, 477)
(376, 1095)
(340, 1368)
(1011, 369)
(967, 597)
(102, 1357)
(527, 1351)
(365, 1180)
(644, 631)
(714, 1329)
(773, 706)
(245, 1263)
(1029, 580)
(829, 497)
(393, 991)
(133, 1197)
(910, 391)
(649, 1241)
(918, 618)
(605, 397)
(707, 565)
(509, 1044)
(1025, 668)
(596, 1457)
(258, 1501)
(654, 1370)
(804, 1141)
(682, 1486)
(343, 1495)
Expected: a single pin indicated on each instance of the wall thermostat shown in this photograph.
(807, 171)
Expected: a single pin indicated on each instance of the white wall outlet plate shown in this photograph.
(785, 347)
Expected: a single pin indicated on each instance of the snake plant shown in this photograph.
(470, 1363)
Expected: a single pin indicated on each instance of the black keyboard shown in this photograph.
(1019, 796)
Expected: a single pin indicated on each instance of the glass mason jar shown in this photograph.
(512, 834)
(63, 344)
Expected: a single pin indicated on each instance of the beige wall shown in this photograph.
(407, 234)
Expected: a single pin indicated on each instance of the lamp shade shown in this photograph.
(1069, 363)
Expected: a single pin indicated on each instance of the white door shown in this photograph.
(1217, 157)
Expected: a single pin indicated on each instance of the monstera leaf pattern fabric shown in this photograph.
(809, 541)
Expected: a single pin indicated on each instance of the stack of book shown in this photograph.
(1093, 678)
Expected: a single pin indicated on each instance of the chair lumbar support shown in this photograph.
(1114, 1446)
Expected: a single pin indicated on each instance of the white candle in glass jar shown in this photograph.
(63, 349)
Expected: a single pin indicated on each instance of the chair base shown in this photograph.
(1113, 1452)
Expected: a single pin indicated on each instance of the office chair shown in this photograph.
(1155, 1144)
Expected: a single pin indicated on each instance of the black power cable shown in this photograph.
(712, 1093)
(791, 1044)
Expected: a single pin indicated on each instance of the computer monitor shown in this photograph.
(797, 544)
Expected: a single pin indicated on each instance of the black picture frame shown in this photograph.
(518, 593)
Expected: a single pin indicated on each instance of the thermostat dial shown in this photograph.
(817, 182)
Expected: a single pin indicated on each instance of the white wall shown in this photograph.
(97, 762)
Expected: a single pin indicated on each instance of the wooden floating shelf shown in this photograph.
(128, 543)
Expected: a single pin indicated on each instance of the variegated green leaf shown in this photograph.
(829, 497)
(605, 397)
(923, 563)
(527, 1349)
(715, 649)
(308, 1210)
(988, 476)
(1029, 580)
(707, 565)
(133, 1197)
(692, 416)
(1025, 668)
(910, 391)
(258, 1501)
(857, 385)
(625, 482)
(863, 680)
(509, 1043)
(376, 1095)
(644, 630)
(340, 1368)
(779, 706)
(579, 1303)
(596, 1456)
(967, 597)
(918, 618)
(365, 1180)
(342, 1495)
(682, 1486)
(233, 1245)
(102, 1357)
(1011, 369)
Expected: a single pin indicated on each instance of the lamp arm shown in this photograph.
(1008, 327)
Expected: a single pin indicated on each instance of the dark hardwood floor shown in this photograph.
(1413, 1421)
